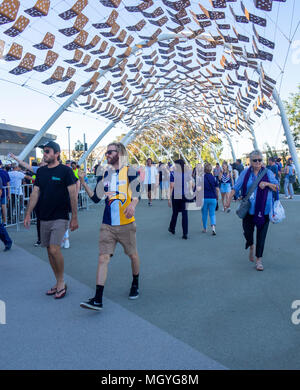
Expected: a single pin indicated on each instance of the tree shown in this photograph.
(178, 136)
(292, 107)
(78, 150)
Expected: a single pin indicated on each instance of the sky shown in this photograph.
(22, 106)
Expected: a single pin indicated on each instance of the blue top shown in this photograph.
(210, 184)
(290, 171)
(274, 169)
(5, 179)
(238, 186)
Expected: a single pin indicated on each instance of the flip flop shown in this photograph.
(62, 292)
(52, 291)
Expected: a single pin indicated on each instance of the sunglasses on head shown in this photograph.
(257, 160)
(109, 152)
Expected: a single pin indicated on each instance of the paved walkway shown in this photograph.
(202, 303)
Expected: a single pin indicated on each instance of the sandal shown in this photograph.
(62, 292)
(52, 291)
(259, 266)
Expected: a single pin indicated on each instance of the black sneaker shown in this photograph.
(7, 248)
(92, 304)
(38, 243)
(171, 231)
(134, 292)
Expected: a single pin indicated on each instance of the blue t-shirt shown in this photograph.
(210, 184)
(239, 184)
(5, 179)
(274, 169)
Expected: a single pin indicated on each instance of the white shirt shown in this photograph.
(16, 178)
(150, 174)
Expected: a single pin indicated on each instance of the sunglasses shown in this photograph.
(257, 160)
(109, 152)
(46, 151)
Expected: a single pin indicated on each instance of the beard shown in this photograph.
(113, 160)
(49, 159)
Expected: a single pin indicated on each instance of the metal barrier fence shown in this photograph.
(14, 207)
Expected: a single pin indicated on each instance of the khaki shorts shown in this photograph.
(124, 234)
(52, 232)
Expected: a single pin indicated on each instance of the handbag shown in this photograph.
(245, 204)
(277, 213)
(292, 179)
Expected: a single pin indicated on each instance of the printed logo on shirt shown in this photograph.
(121, 196)
(56, 178)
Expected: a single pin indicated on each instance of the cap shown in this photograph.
(52, 145)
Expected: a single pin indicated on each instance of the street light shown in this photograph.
(68, 127)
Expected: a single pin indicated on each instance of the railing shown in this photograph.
(15, 206)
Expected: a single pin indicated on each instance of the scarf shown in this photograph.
(261, 198)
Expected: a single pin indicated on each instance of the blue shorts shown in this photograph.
(225, 187)
(3, 200)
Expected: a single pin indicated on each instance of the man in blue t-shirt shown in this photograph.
(5, 193)
(4, 237)
(273, 166)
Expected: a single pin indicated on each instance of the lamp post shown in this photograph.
(68, 127)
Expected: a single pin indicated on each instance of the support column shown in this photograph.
(231, 146)
(215, 154)
(287, 131)
(254, 140)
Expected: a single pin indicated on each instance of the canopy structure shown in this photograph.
(131, 61)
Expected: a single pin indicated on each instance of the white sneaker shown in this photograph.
(67, 244)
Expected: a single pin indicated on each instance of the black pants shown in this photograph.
(178, 206)
(248, 226)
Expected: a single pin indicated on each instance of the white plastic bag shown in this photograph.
(277, 213)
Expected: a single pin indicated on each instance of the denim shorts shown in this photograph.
(3, 200)
(225, 187)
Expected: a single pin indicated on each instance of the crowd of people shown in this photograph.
(55, 190)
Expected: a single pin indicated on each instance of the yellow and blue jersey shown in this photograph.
(122, 184)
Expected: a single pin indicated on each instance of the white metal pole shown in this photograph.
(254, 140)
(231, 146)
(287, 131)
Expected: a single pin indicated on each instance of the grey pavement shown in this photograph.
(44, 333)
(202, 303)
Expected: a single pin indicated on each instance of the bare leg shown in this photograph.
(102, 269)
(223, 199)
(251, 252)
(57, 263)
(149, 196)
(135, 264)
(53, 266)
